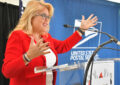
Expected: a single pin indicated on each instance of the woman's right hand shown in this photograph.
(37, 49)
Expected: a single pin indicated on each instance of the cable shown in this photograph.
(91, 60)
(111, 48)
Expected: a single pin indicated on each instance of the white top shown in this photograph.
(50, 58)
(50, 61)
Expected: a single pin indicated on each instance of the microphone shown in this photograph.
(113, 38)
(68, 26)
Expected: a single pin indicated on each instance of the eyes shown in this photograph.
(44, 16)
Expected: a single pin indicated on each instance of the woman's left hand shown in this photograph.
(90, 22)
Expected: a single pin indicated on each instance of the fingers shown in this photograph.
(44, 49)
(39, 48)
(83, 17)
(89, 18)
(94, 24)
(37, 37)
(40, 41)
(42, 45)
(32, 41)
(94, 19)
(45, 52)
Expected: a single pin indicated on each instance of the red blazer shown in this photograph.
(14, 67)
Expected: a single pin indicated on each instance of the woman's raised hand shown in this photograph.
(90, 22)
(37, 49)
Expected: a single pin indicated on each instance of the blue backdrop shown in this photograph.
(66, 11)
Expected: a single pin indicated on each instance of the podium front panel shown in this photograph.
(103, 74)
(71, 77)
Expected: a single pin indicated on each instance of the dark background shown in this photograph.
(9, 15)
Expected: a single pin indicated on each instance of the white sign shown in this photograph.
(88, 35)
(103, 73)
(85, 47)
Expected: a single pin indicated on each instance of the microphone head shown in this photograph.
(67, 26)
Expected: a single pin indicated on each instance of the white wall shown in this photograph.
(15, 2)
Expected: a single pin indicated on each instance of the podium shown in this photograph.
(72, 74)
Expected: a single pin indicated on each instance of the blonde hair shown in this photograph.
(32, 7)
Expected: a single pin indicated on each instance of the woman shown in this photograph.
(30, 45)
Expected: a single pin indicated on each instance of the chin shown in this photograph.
(43, 33)
(47, 30)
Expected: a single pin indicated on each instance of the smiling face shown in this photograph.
(40, 22)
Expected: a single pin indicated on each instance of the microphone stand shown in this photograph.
(92, 58)
(90, 62)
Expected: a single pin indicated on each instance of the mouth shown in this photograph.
(45, 24)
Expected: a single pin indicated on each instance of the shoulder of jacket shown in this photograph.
(19, 33)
